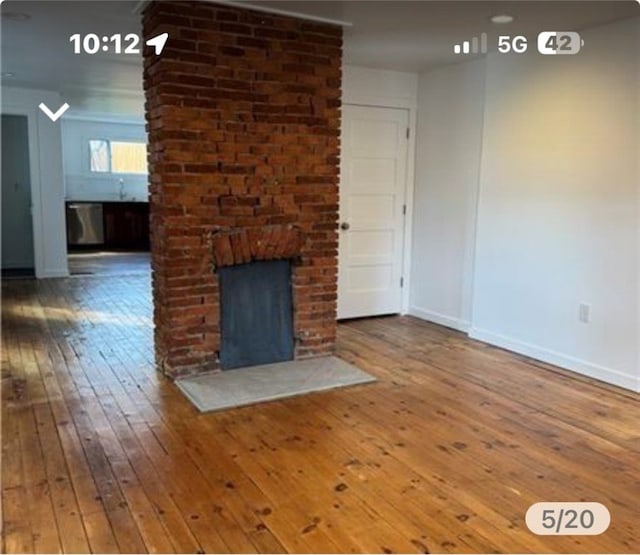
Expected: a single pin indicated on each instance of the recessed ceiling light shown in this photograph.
(15, 16)
(502, 18)
(8, 74)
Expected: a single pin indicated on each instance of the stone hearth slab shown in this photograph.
(256, 384)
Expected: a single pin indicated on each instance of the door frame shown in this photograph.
(410, 107)
(9, 109)
(47, 178)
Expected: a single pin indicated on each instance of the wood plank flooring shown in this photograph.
(444, 453)
(101, 263)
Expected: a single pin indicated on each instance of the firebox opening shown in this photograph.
(256, 314)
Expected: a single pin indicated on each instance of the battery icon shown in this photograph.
(559, 42)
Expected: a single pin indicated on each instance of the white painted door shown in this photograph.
(372, 198)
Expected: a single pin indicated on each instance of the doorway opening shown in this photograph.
(17, 220)
(107, 209)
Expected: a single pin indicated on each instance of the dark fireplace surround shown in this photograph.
(263, 294)
(243, 118)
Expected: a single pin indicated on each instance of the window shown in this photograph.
(99, 152)
(128, 157)
(117, 156)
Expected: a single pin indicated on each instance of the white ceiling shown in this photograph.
(402, 35)
(40, 55)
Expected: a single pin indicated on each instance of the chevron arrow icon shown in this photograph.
(53, 116)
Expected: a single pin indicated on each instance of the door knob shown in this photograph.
(345, 226)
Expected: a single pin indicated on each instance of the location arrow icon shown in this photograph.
(158, 42)
(53, 116)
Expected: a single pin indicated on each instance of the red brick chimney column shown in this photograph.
(243, 117)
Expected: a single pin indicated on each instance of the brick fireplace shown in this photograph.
(243, 117)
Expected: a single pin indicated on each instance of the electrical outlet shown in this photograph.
(584, 313)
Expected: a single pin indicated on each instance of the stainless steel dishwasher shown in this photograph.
(85, 224)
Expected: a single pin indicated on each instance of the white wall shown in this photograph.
(558, 211)
(379, 87)
(449, 135)
(81, 183)
(47, 184)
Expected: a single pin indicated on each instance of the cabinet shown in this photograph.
(126, 225)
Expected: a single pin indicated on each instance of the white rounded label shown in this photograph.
(563, 519)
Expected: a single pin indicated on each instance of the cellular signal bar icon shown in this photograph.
(474, 46)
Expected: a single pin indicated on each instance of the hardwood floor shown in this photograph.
(444, 453)
(101, 263)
